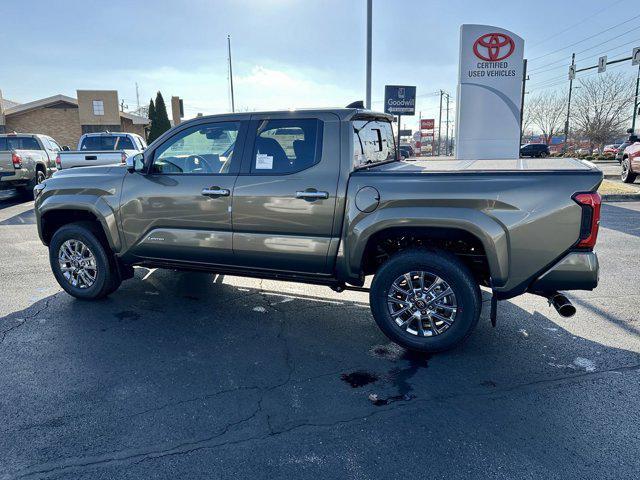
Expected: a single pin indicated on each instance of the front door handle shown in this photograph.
(215, 192)
(312, 195)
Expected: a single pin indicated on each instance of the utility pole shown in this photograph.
(566, 123)
(524, 87)
(137, 98)
(636, 105)
(440, 122)
(369, 22)
(446, 142)
(233, 105)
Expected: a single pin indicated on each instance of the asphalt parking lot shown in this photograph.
(185, 375)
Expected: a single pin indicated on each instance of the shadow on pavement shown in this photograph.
(622, 219)
(179, 363)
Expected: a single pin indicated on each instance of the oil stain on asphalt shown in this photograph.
(398, 377)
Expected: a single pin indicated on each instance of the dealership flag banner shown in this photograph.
(489, 93)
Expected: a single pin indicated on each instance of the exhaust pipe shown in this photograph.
(562, 304)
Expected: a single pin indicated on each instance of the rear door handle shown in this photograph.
(312, 195)
(216, 192)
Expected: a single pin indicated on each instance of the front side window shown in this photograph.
(202, 149)
(98, 107)
(286, 146)
(54, 145)
(373, 142)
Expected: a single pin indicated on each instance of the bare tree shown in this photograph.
(546, 113)
(602, 107)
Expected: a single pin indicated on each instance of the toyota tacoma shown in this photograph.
(318, 196)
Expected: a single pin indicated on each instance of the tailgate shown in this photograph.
(89, 158)
(6, 164)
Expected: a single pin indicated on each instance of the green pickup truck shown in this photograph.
(318, 196)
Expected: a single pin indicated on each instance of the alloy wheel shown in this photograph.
(77, 264)
(422, 304)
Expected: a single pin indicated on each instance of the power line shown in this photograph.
(576, 24)
(587, 57)
(585, 39)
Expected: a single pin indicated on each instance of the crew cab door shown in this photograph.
(180, 209)
(285, 197)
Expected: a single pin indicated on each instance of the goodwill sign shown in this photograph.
(489, 93)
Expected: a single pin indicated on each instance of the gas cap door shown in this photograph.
(367, 199)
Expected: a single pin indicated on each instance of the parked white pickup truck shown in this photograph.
(104, 148)
(26, 159)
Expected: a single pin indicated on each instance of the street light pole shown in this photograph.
(369, 18)
(566, 123)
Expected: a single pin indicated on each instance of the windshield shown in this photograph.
(373, 142)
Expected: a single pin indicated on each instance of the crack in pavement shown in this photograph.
(24, 320)
(124, 456)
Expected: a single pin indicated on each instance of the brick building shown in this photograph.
(66, 119)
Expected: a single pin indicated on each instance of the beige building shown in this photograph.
(66, 119)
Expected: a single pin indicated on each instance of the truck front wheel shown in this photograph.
(81, 264)
(426, 301)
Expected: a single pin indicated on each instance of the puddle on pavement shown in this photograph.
(359, 378)
(399, 377)
(127, 315)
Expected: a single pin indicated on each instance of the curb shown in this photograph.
(621, 197)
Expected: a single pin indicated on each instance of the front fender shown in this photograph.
(93, 202)
(360, 228)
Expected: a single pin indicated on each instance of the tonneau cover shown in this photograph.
(449, 165)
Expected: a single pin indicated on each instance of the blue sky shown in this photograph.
(287, 53)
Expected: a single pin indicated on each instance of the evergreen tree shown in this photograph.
(160, 121)
(152, 117)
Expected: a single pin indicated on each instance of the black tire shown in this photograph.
(627, 176)
(106, 280)
(449, 269)
(27, 190)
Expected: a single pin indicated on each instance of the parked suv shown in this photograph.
(318, 196)
(534, 150)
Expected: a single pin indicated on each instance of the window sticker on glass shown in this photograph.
(264, 161)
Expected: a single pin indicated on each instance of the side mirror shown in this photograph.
(135, 163)
(65, 148)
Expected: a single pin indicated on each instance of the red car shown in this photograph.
(612, 149)
(631, 162)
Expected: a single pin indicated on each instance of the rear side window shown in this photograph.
(3, 144)
(125, 143)
(286, 146)
(102, 142)
(373, 142)
(21, 143)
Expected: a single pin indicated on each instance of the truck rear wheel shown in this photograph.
(425, 300)
(81, 264)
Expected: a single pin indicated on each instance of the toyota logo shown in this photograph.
(494, 47)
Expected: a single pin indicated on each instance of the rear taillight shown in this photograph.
(590, 203)
(58, 162)
(123, 158)
(16, 160)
